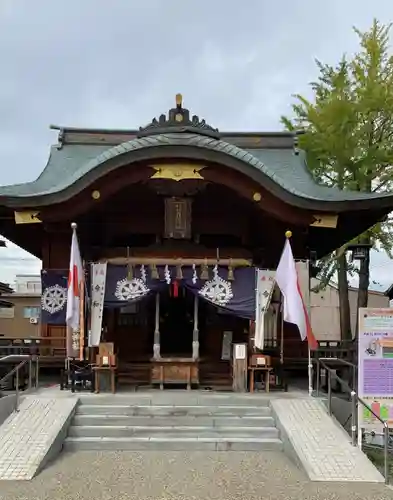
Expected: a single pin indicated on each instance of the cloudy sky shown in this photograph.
(118, 63)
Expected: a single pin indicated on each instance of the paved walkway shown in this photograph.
(181, 476)
(321, 444)
(29, 436)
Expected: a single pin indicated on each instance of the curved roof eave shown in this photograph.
(300, 190)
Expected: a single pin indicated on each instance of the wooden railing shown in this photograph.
(34, 346)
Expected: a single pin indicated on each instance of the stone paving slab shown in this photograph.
(321, 444)
(33, 435)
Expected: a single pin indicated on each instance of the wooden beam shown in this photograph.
(162, 261)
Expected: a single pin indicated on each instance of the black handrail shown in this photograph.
(355, 399)
(340, 361)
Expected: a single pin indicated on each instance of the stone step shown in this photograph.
(173, 398)
(171, 432)
(173, 444)
(174, 411)
(198, 420)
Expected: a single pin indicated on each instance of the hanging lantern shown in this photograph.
(179, 272)
(130, 273)
(204, 271)
(231, 276)
(154, 272)
(359, 251)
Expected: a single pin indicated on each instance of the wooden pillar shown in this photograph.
(195, 333)
(156, 346)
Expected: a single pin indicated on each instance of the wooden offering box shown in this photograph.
(260, 360)
(174, 371)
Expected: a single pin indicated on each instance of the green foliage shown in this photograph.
(348, 128)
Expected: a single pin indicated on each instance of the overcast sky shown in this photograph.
(118, 63)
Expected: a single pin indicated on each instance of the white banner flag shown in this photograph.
(98, 281)
(264, 291)
(74, 312)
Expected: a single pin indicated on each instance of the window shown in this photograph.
(7, 312)
(31, 312)
(28, 287)
(33, 287)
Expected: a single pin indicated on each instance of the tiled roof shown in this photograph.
(280, 169)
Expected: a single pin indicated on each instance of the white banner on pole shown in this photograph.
(264, 292)
(98, 281)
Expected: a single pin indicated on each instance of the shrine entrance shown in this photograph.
(176, 320)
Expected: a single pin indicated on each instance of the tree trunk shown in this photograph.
(345, 314)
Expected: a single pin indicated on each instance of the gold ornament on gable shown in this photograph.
(177, 172)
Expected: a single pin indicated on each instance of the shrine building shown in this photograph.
(173, 220)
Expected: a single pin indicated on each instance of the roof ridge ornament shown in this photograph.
(178, 121)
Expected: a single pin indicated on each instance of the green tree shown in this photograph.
(348, 138)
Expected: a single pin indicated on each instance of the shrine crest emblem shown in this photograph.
(54, 299)
(131, 289)
(217, 290)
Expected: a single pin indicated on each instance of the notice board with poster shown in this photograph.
(375, 367)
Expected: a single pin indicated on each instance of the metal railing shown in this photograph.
(340, 362)
(33, 373)
(355, 401)
(38, 346)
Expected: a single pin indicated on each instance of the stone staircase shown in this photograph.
(173, 421)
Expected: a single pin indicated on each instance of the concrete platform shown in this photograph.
(33, 436)
(319, 444)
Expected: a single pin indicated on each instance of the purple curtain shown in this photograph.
(236, 296)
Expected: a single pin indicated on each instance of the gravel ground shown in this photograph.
(181, 476)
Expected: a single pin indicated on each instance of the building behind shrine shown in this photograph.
(179, 215)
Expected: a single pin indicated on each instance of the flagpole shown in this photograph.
(288, 235)
(282, 333)
(310, 366)
(295, 309)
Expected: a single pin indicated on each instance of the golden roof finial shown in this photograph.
(179, 100)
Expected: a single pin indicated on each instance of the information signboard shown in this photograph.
(375, 366)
